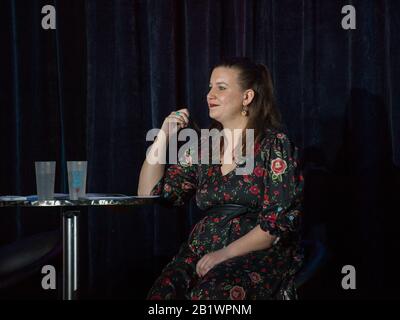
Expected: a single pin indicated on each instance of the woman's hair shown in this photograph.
(263, 112)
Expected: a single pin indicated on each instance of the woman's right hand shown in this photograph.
(152, 168)
(175, 121)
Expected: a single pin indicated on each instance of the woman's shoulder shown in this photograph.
(273, 136)
(278, 145)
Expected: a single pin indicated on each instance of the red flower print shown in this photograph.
(254, 190)
(187, 186)
(227, 196)
(216, 189)
(280, 135)
(216, 238)
(189, 260)
(166, 281)
(278, 166)
(266, 199)
(272, 218)
(167, 187)
(216, 220)
(258, 171)
(209, 173)
(276, 193)
(255, 277)
(246, 178)
(237, 293)
(301, 178)
(237, 227)
(257, 147)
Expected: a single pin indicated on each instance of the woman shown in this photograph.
(247, 244)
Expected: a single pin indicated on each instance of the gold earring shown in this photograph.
(244, 111)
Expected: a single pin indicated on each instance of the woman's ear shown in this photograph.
(248, 97)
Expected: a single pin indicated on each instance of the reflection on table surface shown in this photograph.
(91, 199)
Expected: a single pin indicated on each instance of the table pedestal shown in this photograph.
(70, 217)
(70, 254)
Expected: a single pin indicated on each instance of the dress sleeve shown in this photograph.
(178, 184)
(283, 182)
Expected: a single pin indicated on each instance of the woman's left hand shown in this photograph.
(208, 261)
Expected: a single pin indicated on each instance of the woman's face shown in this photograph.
(225, 98)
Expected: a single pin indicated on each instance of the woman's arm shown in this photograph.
(151, 172)
(256, 239)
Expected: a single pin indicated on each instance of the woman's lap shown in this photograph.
(244, 277)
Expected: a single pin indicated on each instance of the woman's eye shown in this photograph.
(220, 88)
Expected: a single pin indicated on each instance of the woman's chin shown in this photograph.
(214, 115)
(214, 118)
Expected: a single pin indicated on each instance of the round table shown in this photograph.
(70, 214)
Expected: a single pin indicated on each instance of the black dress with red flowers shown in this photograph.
(274, 190)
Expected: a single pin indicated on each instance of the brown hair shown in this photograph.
(263, 112)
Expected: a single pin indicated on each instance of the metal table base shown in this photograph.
(70, 254)
(70, 215)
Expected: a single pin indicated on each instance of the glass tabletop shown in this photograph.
(91, 199)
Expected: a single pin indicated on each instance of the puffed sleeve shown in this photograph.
(178, 184)
(283, 182)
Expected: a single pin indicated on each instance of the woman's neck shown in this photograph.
(233, 127)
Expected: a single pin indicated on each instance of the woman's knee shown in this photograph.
(211, 287)
(218, 291)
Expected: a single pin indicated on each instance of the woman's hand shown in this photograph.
(175, 121)
(208, 261)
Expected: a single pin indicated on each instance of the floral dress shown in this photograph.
(274, 190)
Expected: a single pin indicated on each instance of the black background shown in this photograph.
(112, 70)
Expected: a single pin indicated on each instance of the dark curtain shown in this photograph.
(112, 70)
(42, 103)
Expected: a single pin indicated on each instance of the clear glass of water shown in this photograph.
(45, 179)
(77, 171)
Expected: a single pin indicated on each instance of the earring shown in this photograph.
(245, 111)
